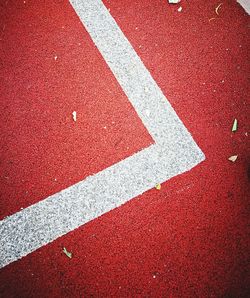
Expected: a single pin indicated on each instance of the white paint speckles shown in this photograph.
(147, 112)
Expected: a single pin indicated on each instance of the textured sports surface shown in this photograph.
(187, 239)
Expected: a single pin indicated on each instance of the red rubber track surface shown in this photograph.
(190, 239)
(51, 68)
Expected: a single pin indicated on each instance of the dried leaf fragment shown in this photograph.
(74, 116)
(158, 186)
(217, 8)
(235, 125)
(174, 1)
(67, 253)
(233, 158)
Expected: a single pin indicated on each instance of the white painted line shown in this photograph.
(245, 4)
(173, 153)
